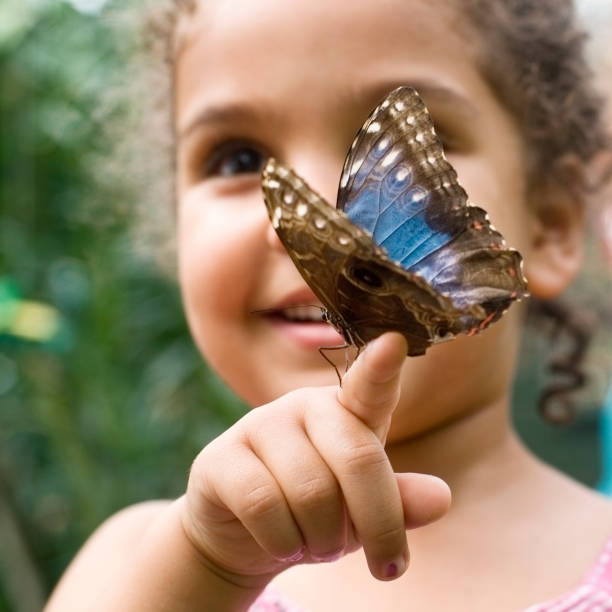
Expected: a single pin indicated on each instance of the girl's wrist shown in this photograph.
(247, 582)
(169, 572)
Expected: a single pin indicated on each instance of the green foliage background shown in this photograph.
(112, 408)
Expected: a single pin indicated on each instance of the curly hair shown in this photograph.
(532, 54)
(548, 86)
(535, 61)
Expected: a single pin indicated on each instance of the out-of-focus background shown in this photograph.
(103, 399)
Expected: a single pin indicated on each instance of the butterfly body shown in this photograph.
(404, 250)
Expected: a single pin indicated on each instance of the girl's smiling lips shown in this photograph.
(299, 317)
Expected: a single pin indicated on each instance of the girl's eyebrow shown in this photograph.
(217, 113)
(238, 111)
(431, 90)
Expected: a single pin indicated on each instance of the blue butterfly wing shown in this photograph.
(397, 185)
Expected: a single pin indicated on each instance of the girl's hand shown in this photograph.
(306, 479)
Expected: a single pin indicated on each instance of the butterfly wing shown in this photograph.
(397, 184)
(364, 292)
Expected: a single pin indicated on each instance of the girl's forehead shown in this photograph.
(217, 11)
(302, 21)
(307, 43)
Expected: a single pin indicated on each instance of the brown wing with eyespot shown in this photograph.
(364, 292)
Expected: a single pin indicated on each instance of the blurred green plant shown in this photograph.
(109, 403)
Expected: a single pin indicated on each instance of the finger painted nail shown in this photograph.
(396, 568)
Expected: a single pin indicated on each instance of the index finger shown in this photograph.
(371, 387)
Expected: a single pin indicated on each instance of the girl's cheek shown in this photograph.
(219, 244)
(211, 223)
(500, 190)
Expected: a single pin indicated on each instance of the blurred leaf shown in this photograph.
(114, 409)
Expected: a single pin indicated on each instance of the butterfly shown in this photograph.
(404, 250)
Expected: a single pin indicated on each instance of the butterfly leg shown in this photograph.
(331, 363)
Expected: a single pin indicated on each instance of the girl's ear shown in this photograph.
(601, 188)
(557, 235)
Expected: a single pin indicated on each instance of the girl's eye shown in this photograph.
(235, 158)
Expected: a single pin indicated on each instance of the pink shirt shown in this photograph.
(594, 594)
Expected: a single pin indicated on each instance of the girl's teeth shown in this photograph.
(302, 313)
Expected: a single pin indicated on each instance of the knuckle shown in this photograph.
(202, 467)
(258, 425)
(252, 420)
(296, 397)
(385, 395)
(389, 536)
(376, 400)
(385, 542)
(204, 485)
(197, 471)
(315, 491)
(365, 457)
(259, 501)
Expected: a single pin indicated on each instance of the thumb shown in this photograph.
(371, 387)
(425, 498)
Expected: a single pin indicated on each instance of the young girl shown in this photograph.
(307, 499)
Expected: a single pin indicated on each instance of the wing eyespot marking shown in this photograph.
(366, 276)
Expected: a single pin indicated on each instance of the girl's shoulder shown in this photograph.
(103, 553)
(593, 593)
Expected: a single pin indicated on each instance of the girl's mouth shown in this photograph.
(300, 313)
(304, 324)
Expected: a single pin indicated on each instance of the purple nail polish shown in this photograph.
(391, 570)
(395, 568)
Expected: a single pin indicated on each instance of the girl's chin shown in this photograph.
(271, 387)
(285, 372)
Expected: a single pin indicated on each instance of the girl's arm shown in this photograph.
(140, 560)
(303, 479)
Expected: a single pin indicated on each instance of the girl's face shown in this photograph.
(296, 80)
